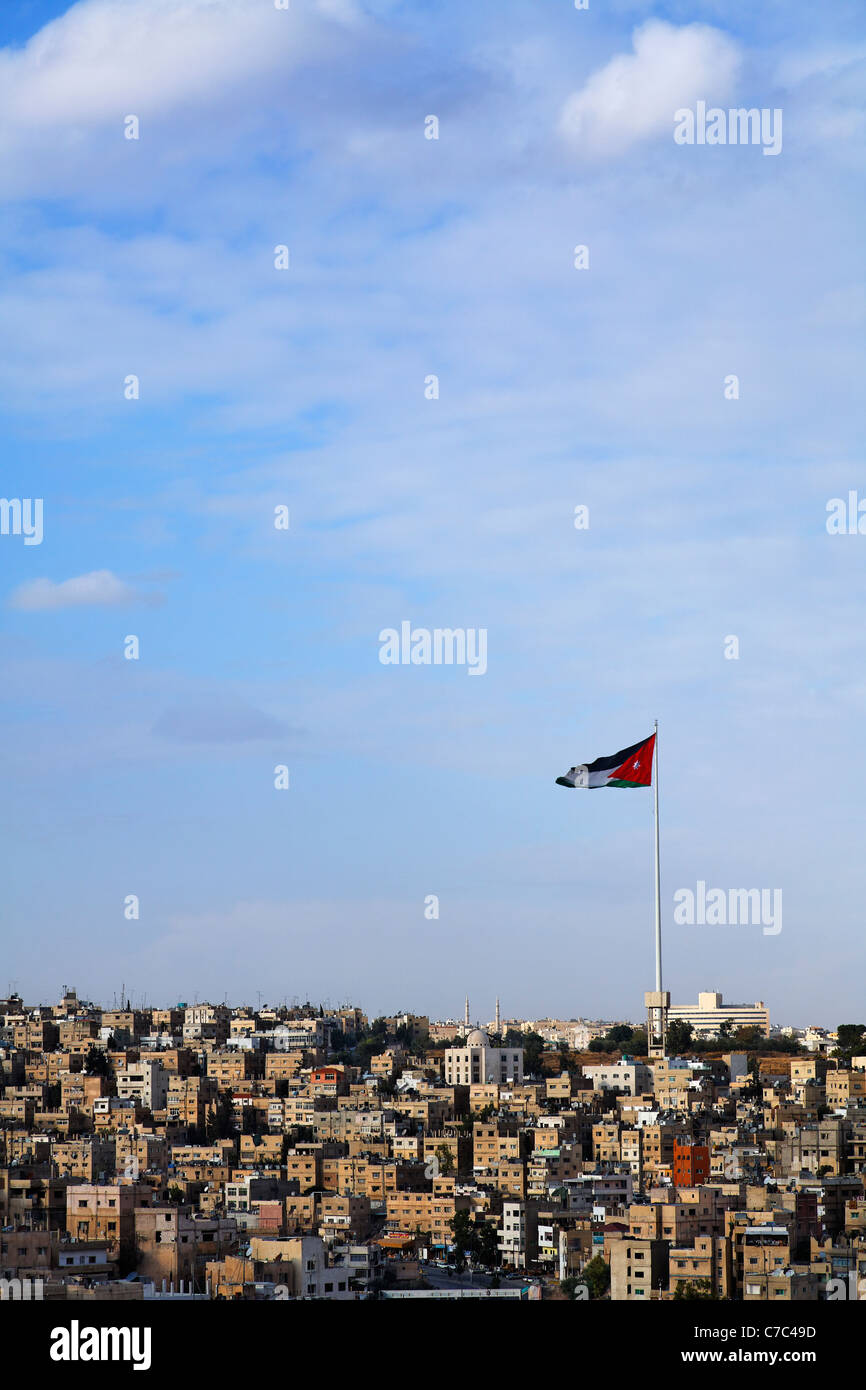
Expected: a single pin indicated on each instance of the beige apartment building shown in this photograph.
(83, 1158)
(548, 1169)
(458, 1148)
(168, 1021)
(344, 1218)
(80, 1091)
(125, 1024)
(36, 1034)
(431, 1211)
(688, 1213)
(507, 1176)
(386, 1064)
(638, 1269)
(606, 1141)
(306, 1166)
(707, 1260)
(284, 1066)
(172, 1244)
(189, 1100)
(761, 1243)
(106, 1211)
(482, 1095)
(495, 1140)
(177, 1061)
(233, 1068)
(77, 1030)
(845, 1088)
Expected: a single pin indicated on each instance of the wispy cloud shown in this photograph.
(99, 589)
(219, 723)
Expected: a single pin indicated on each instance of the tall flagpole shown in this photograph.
(657, 1001)
(658, 870)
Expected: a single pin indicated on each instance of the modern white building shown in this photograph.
(708, 1015)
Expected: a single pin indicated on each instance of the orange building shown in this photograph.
(691, 1165)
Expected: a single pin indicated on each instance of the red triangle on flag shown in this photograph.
(638, 768)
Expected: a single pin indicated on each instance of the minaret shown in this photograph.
(466, 1015)
(498, 1029)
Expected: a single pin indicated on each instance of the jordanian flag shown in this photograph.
(630, 767)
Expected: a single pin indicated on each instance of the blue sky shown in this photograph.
(558, 387)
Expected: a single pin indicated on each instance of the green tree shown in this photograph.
(696, 1289)
(486, 1244)
(616, 1039)
(749, 1036)
(97, 1063)
(533, 1047)
(461, 1227)
(570, 1287)
(679, 1037)
(850, 1039)
(638, 1043)
(596, 1276)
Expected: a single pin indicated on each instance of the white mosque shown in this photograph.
(477, 1062)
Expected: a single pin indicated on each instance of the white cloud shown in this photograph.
(104, 59)
(99, 589)
(635, 95)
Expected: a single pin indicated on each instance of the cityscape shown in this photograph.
(208, 1152)
(420, 416)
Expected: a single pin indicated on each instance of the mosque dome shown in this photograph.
(477, 1038)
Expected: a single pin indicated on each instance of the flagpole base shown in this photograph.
(657, 1002)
